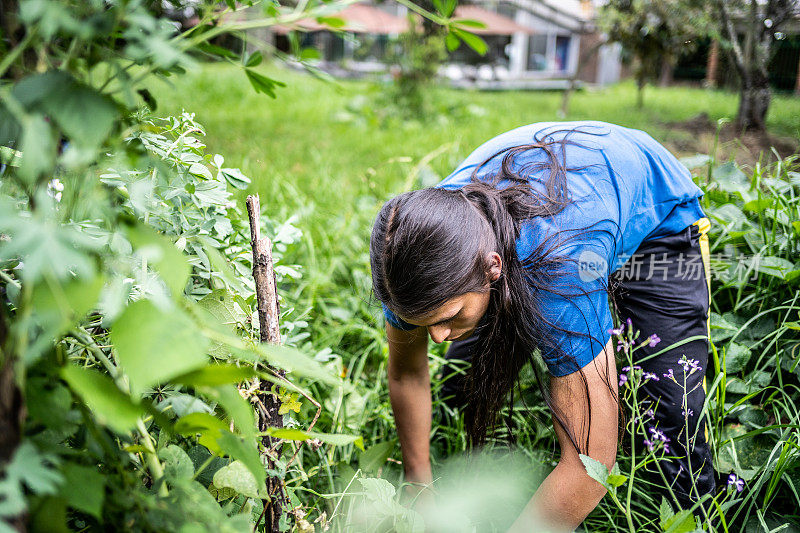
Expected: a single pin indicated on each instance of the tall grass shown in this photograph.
(320, 153)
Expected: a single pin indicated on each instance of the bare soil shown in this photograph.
(698, 133)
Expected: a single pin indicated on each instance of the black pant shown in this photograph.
(663, 290)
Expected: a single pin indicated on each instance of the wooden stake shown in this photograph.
(269, 404)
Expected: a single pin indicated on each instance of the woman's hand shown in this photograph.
(568, 494)
(410, 394)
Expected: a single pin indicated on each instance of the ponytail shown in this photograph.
(446, 235)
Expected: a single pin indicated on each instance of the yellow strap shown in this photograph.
(703, 225)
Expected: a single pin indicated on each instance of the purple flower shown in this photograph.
(687, 412)
(649, 444)
(617, 331)
(650, 375)
(653, 340)
(622, 379)
(630, 325)
(670, 375)
(735, 481)
(650, 413)
(689, 365)
(659, 435)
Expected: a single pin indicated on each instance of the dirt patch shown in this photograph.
(745, 147)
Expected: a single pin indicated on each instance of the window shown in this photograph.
(537, 52)
(562, 53)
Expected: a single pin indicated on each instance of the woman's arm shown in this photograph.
(568, 494)
(410, 394)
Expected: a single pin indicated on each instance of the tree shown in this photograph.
(747, 32)
(122, 305)
(654, 32)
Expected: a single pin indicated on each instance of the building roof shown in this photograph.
(496, 24)
(358, 18)
(365, 18)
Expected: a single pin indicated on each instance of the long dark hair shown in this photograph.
(431, 245)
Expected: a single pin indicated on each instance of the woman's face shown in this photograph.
(454, 320)
(457, 318)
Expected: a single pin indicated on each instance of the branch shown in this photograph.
(727, 23)
(269, 331)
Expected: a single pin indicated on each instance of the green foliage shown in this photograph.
(414, 64)
(127, 303)
(365, 163)
(653, 31)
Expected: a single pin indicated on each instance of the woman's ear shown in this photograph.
(495, 266)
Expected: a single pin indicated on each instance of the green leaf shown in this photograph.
(336, 439)
(288, 434)
(221, 304)
(616, 480)
(33, 468)
(215, 375)
(736, 357)
(293, 360)
(694, 161)
(38, 149)
(452, 42)
(332, 22)
(246, 452)
(177, 465)
(682, 522)
(254, 59)
(154, 345)
(263, 84)
(665, 511)
(109, 405)
(235, 177)
(46, 245)
(84, 488)
(471, 40)
(207, 428)
(84, 115)
(160, 252)
(445, 10)
(595, 469)
(220, 264)
(195, 423)
(759, 206)
(378, 490)
(773, 266)
(469, 23)
(371, 460)
(238, 477)
(730, 179)
(59, 305)
(239, 410)
(214, 50)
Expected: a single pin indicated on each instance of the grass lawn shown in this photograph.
(297, 144)
(319, 153)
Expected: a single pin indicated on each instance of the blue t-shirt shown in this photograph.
(625, 189)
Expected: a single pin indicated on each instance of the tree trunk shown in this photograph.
(754, 99)
(667, 68)
(12, 412)
(268, 314)
(712, 65)
(640, 83)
